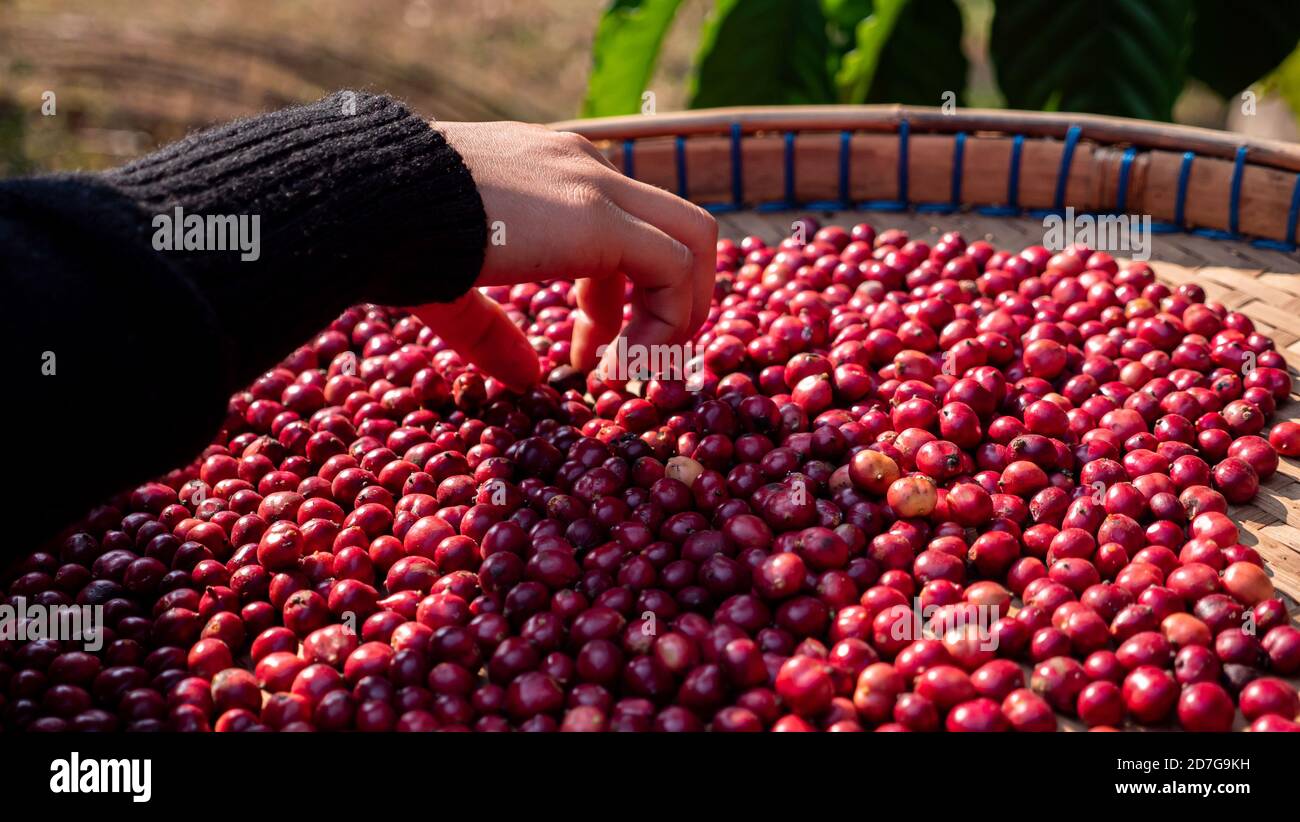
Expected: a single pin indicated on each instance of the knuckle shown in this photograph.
(573, 141)
(705, 223)
(683, 261)
(588, 197)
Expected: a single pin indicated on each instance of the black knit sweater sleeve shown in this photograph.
(126, 346)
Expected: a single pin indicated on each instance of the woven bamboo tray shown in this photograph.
(1224, 208)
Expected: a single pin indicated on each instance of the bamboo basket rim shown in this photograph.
(930, 119)
(1246, 189)
(1225, 262)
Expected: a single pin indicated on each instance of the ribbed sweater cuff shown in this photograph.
(357, 198)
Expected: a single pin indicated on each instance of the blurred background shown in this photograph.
(128, 75)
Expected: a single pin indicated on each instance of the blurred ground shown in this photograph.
(129, 75)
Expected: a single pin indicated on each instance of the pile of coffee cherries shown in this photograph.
(912, 487)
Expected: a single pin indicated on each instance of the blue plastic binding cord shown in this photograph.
(1013, 181)
(899, 204)
(903, 129)
(1180, 199)
(1233, 200)
(629, 164)
(1062, 175)
(843, 203)
(1125, 167)
(737, 178)
(1292, 213)
(958, 157)
(1184, 175)
(789, 202)
(1289, 243)
(1013, 184)
(681, 168)
(789, 169)
(846, 153)
(737, 172)
(954, 203)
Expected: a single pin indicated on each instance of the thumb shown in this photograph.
(482, 333)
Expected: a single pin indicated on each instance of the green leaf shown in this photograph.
(1285, 82)
(846, 13)
(763, 52)
(858, 68)
(842, 19)
(1235, 44)
(908, 51)
(1121, 57)
(624, 53)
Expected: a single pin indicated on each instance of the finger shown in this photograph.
(687, 223)
(660, 269)
(481, 332)
(598, 318)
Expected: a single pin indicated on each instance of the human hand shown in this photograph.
(566, 212)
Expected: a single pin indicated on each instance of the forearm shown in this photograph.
(354, 197)
(128, 351)
(110, 350)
